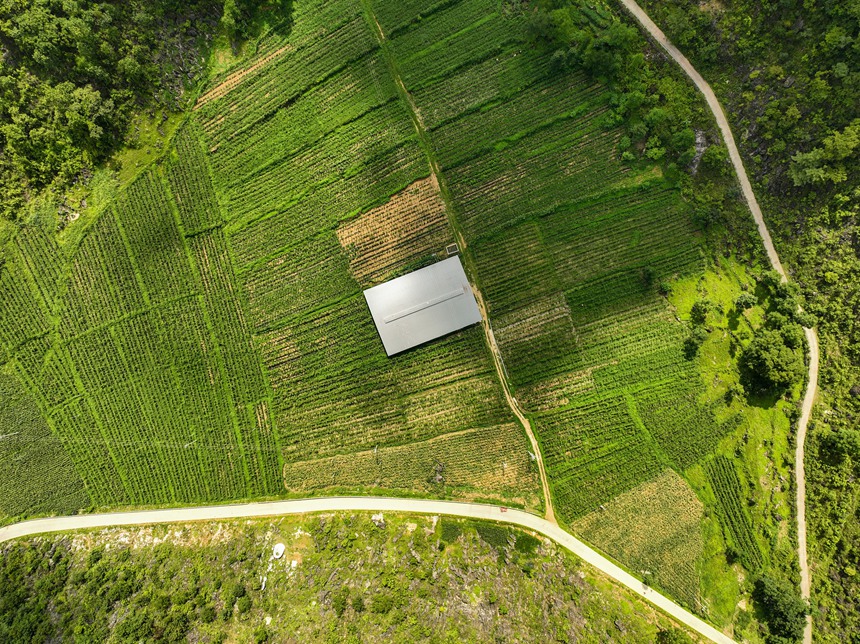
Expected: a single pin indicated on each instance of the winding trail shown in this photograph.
(370, 504)
(811, 336)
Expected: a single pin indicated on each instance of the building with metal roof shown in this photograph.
(423, 305)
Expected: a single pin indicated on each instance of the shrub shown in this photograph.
(526, 543)
(381, 603)
(694, 342)
(339, 601)
(745, 301)
(207, 614)
(673, 636)
(494, 535)
(450, 531)
(700, 311)
(784, 610)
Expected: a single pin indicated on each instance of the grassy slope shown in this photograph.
(419, 579)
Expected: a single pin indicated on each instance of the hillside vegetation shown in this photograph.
(789, 75)
(341, 578)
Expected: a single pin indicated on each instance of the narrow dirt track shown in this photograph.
(812, 338)
(436, 173)
(370, 504)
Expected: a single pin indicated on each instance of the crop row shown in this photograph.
(444, 26)
(222, 297)
(56, 382)
(154, 384)
(394, 17)
(337, 392)
(578, 104)
(81, 435)
(488, 460)
(559, 164)
(309, 20)
(489, 35)
(145, 215)
(360, 88)
(409, 227)
(309, 276)
(656, 526)
(686, 429)
(736, 521)
(619, 290)
(103, 285)
(21, 317)
(188, 177)
(41, 255)
(594, 452)
(286, 77)
(336, 157)
(479, 85)
(324, 207)
(241, 360)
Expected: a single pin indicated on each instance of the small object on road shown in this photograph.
(278, 550)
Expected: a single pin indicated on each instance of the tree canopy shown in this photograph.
(72, 72)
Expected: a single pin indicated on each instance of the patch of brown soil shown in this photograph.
(410, 226)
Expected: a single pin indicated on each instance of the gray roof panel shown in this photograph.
(422, 305)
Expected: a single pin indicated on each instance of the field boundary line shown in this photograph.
(811, 336)
(495, 513)
(436, 173)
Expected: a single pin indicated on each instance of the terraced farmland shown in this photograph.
(207, 338)
(569, 247)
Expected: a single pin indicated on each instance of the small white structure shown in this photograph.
(278, 550)
(423, 305)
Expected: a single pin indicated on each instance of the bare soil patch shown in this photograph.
(411, 226)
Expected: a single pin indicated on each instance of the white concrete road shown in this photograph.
(369, 504)
(811, 336)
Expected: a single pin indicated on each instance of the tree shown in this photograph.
(769, 364)
(827, 163)
(842, 443)
(673, 636)
(745, 301)
(784, 609)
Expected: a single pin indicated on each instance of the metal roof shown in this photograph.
(423, 305)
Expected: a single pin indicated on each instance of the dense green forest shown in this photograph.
(789, 75)
(74, 72)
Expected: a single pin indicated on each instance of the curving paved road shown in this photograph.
(369, 504)
(811, 336)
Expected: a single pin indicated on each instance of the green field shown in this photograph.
(203, 337)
